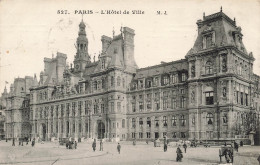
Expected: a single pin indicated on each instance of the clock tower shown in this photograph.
(82, 56)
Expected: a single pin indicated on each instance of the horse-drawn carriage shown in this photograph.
(227, 152)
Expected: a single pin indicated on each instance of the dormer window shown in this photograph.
(208, 39)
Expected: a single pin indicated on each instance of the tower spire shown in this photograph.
(221, 9)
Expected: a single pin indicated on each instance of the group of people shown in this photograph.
(71, 145)
(94, 145)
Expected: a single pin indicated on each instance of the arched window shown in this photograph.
(174, 120)
(209, 67)
(209, 118)
(118, 81)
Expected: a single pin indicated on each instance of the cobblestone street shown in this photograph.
(52, 153)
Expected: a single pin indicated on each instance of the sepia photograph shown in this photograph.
(130, 82)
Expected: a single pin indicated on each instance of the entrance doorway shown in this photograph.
(101, 130)
(43, 132)
(156, 135)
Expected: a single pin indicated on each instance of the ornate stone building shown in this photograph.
(208, 95)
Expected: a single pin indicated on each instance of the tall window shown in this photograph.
(80, 107)
(95, 86)
(149, 104)
(209, 67)
(174, 78)
(141, 106)
(156, 81)
(209, 98)
(183, 77)
(174, 104)
(183, 121)
(156, 122)
(133, 122)
(133, 107)
(119, 106)
(157, 104)
(209, 118)
(165, 80)
(123, 123)
(95, 109)
(208, 39)
(112, 81)
(165, 121)
(148, 122)
(246, 99)
(73, 108)
(165, 103)
(174, 121)
(149, 83)
(68, 109)
(241, 98)
(141, 122)
(183, 101)
(102, 108)
(118, 81)
(112, 107)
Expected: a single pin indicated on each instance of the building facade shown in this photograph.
(209, 95)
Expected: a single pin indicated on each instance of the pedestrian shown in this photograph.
(33, 142)
(165, 144)
(185, 147)
(75, 145)
(118, 147)
(147, 141)
(179, 154)
(236, 146)
(225, 144)
(13, 142)
(94, 144)
(101, 145)
(134, 142)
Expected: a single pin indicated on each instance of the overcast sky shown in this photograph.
(32, 30)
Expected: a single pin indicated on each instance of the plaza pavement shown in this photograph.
(54, 154)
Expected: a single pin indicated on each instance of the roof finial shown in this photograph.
(203, 15)
(82, 18)
(113, 32)
(235, 20)
(221, 9)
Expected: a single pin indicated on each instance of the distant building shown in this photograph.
(209, 95)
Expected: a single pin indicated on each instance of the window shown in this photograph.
(149, 83)
(165, 103)
(102, 108)
(209, 98)
(133, 122)
(165, 80)
(225, 119)
(183, 77)
(103, 83)
(133, 135)
(174, 121)
(95, 85)
(149, 106)
(123, 123)
(246, 99)
(165, 121)
(80, 107)
(118, 106)
(112, 107)
(174, 78)
(209, 118)
(157, 104)
(183, 100)
(174, 134)
(183, 121)
(183, 135)
(141, 84)
(174, 104)
(140, 135)
(156, 122)
(79, 127)
(118, 81)
(95, 109)
(141, 107)
(73, 108)
(237, 96)
(156, 81)
(141, 122)
(207, 41)
(133, 107)
(68, 109)
(148, 122)
(241, 98)
(209, 67)
(112, 81)
(148, 135)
